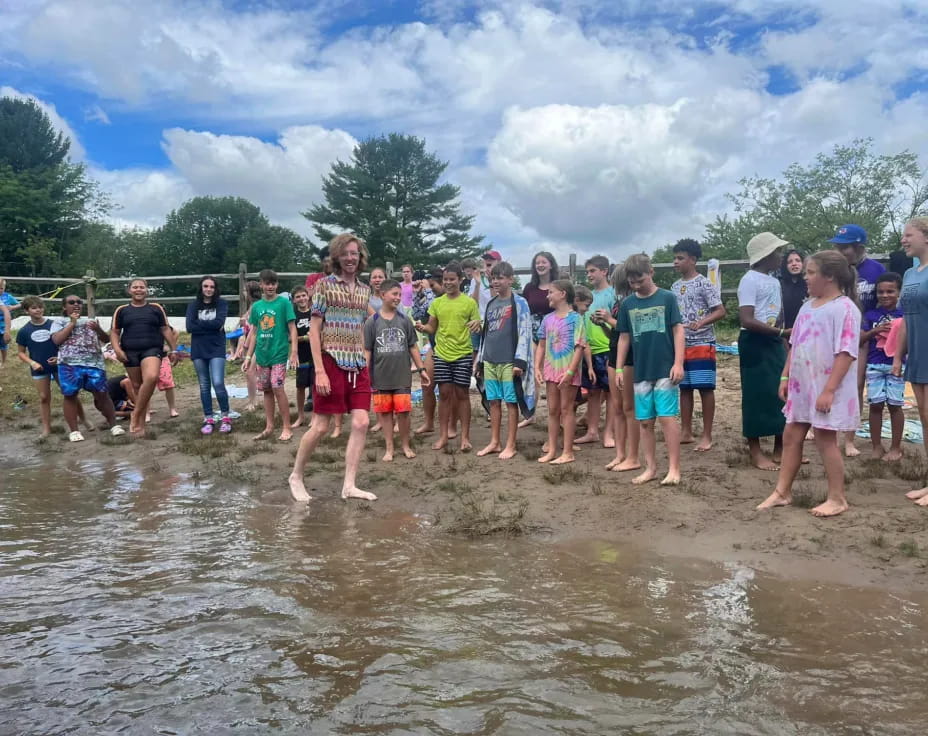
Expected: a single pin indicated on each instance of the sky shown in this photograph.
(575, 126)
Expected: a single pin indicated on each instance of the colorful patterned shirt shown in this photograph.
(343, 310)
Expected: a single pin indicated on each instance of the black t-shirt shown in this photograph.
(140, 327)
(304, 352)
(114, 388)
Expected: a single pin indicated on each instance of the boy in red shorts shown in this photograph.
(389, 343)
(343, 384)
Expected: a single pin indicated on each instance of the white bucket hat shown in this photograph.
(761, 246)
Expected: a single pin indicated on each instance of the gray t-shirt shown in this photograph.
(915, 312)
(696, 298)
(498, 346)
(389, 341)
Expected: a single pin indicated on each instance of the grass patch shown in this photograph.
(909, 548)
(326, 457)
(372, 456)
(597, 487)
(107, 439)
(455, 486)
(560, 474)
(878, 541)
(209, 448)
(532, 453)
(474, 516)
(911, 468)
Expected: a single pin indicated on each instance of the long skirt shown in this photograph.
(762, 359)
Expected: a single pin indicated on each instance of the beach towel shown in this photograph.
(521, 333)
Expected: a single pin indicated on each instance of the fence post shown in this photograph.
(242, 291)
(90, 290)
(572, 267)
(389, 269)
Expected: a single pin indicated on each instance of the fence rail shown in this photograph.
(90, 282)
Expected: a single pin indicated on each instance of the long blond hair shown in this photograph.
(833, 265)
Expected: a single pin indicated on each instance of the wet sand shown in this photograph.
(881, 541)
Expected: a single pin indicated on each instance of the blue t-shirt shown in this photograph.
(9, 300)
(874, 318)
(37, 339)
(914, 302)
(868, 271)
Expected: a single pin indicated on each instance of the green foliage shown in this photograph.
(389, 193)
(44, 199)
(807, 203)
(214, 235)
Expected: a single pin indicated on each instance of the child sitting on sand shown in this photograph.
(819, 382)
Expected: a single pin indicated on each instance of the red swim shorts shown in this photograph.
(398, 401)
(350, 390)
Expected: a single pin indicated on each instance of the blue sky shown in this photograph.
(572, 125)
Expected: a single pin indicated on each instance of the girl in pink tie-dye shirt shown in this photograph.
(818, 385)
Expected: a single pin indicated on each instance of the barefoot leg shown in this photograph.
(836, 502)
(360, 420)
(758, 458)
(793, 439)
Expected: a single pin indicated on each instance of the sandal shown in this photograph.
(208, 425)
(225, 426)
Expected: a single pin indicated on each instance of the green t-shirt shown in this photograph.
(649, 321)
(452, 340)
(597, 335)
(270, 320)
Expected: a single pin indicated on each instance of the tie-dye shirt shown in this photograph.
(561, 335)
(343, 310)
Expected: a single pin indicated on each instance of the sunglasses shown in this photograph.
(73, 301)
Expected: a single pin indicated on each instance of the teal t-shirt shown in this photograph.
(649, 322)
(270, 320)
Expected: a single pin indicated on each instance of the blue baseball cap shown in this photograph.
(850, 235)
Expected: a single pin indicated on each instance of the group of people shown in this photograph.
(622, 344)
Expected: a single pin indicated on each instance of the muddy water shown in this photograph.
(134, 603)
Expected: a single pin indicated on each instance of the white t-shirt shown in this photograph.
(762, 292)
(484, 296)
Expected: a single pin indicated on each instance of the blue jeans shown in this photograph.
(212, 372)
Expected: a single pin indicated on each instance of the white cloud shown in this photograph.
(564, 126)
(77, 152)
(96, 114)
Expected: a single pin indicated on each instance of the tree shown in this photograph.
(45, 200)
(807, 204)
(214, 234)
(389, 193)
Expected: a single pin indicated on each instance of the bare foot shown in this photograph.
(776, 499)
(646, 477)
(765, 463)
(614, 462)
(877, 452)
(492, 447)
(44, 435)
(507, 453)
(526, 422)
(545, 447)
(830, 508)
(336, 433)
(174, 413)
(704, 445)
(892, 456)
(466, 446)
(407, 451)
(90, 426)
(587, 439)
(440, 444)
(452, 434)
(686, 439)
(136, 430)
(609, 443)
(564, 458)
(285, 437)
(627, 464)
(298, 490)
(671, 479)
(917, 494)
(264, 435)
(354, 492)
(547, 457)
(923, 501)
(250, 407)
(388, 456)
(375, 428)
(425, 429)
(849, 451)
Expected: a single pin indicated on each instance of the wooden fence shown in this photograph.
(91, 283)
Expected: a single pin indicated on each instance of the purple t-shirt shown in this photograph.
(868, 271)
(873, 318)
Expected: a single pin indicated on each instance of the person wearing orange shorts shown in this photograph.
(390, 342)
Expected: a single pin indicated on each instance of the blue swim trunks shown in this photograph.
(656, 399)
(73, 378)
(497, 383)
(883, 387)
